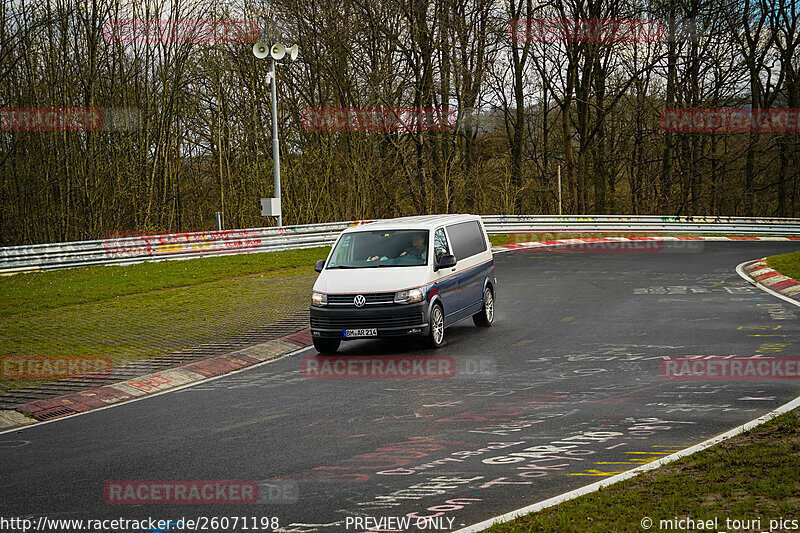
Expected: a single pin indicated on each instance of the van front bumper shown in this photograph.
(389, 320)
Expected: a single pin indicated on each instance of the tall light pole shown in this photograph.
(276, 52)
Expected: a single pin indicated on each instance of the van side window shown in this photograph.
(467, 239)
(440, 247)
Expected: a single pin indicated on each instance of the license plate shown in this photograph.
(373, 332)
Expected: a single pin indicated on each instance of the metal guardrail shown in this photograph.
(122, 248)
(643, 224)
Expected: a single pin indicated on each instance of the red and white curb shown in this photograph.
(625, 243)
(42, 411)
(771, 281)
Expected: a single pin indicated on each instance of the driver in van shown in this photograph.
(417, 249)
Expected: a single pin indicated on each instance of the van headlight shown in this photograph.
(408, 297)
(318, 299)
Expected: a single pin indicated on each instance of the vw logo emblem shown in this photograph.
(359, 300)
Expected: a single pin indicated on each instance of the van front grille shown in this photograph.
(374, 298)
(390, 321)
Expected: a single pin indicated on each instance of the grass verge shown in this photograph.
(59, 288)
(786, 264)
(755, 475)
(134, 312)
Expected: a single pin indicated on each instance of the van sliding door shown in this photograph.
(466, 239)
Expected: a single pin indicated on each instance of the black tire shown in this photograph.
(485, 317)
(435, 337)
(326, 346)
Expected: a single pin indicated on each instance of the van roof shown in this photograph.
(417, 222)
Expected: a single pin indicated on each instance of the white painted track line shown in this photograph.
(594, 487)
(536, 507)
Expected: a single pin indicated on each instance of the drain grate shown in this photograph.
(55, 412)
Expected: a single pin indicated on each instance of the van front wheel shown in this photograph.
(485, 316)
(436, 334)
(326, 346)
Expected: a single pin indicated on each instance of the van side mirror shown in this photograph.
(319, 265)
(446, 261)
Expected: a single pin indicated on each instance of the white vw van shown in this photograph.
(406, 276)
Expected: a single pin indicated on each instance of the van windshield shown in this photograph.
(380, 248)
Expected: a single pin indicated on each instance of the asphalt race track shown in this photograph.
(565, 389)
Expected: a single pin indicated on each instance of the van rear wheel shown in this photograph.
(436, 334)
(485, 316)
(326, 346)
